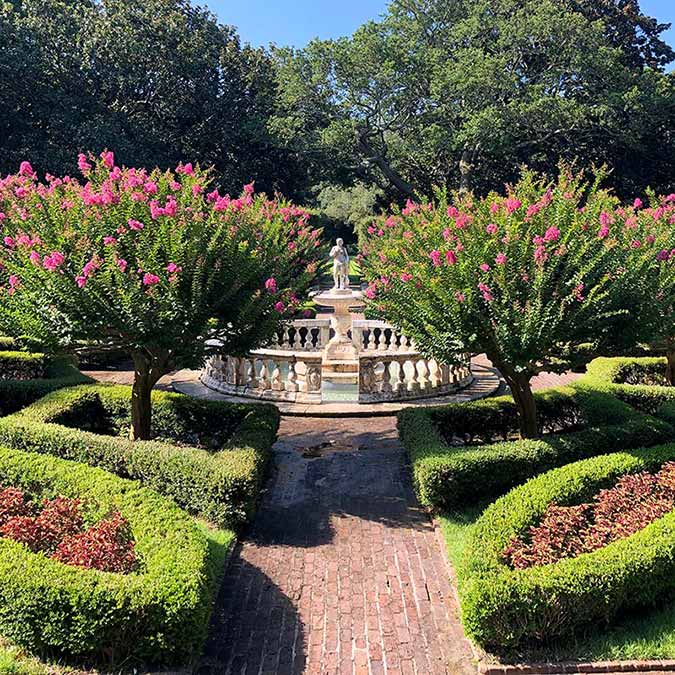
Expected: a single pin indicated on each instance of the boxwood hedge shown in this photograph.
(447, 475)
(57, 372)
(502, 607)
(158, 614)
(638, 381)
(221, 484)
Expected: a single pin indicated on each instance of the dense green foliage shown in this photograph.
(460, 94)
(22, 365)
(446, 476)
(220, 482)
(504, 607)
(159, 613)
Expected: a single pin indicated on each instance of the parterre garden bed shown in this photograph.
(64, 440)
(610, 603)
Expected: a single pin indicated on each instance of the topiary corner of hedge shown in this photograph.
(503, 607)
(221, 486)
(158, 614)
(448, 476)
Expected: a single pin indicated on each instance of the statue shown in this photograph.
(340, 266)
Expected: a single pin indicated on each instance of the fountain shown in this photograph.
(337, 357)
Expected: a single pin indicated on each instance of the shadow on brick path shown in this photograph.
(341, 571)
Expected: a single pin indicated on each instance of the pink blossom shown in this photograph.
(540, 255)
(108, 159)
(54, 261)
(14, 281)
(606, 219)
(279, 306)
(636, 243)
(122, 265)
(462, 220)
(450, 257)
(150, 279)
(271, 285)
(492, 228)
(603, 232)
(552, 234)
(81, 281)
(35, 258)
(185, 169)
(197, 189)
(109, 241)
(406, 276)
(9, 242)
(21, 192)
(150, 187)
(663, 255)
(370, 293)
(135, 224)
(512, 204)
(459, 296)
(500, 259)
(174, 185)
(435, 256)
(25, 169)
(637, 204)
(578, 290)
(249, 188)
(494, 208)
(90, 267)
(83, 165)
(453, 211)
(485, 267)
(172, 268)
(408, 235)
(486, 292)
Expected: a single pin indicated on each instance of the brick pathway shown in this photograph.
(341, 571)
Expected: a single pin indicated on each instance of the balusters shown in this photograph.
(400, 385)
(371, 340)
(382, 344)
(414, 384)
(435, 377)
(403, 344)
(277, 384)
(423, 371)
(263, 376)
(292, 379)
(251, 376)
(386, 388)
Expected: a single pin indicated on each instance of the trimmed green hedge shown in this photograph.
(22, 365)
(220, 485)
(623, 377)
(502, 607)
(446, 476)
(58, 372)
(158, 614)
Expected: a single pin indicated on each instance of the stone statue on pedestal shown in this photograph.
(340, 259)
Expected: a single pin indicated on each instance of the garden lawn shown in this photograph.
(643, 636)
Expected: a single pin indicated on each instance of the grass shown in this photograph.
(640, 636)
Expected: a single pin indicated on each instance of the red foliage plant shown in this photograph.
(58, 530)
(568, 531)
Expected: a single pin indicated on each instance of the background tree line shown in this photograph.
(457, 93)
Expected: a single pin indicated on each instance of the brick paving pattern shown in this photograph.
(341, 572)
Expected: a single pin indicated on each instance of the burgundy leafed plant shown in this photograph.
(568, 531)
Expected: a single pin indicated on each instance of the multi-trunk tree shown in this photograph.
(522, 277)
(156, 263)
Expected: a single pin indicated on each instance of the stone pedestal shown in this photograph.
(341, 356)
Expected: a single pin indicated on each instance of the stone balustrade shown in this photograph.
(277, 375)
(396, 376)
(293, 367)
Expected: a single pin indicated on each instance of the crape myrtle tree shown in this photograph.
(152, 262)
(520, 277)
(657, 225)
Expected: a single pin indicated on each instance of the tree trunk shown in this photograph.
(147, 372)
(670, 358)
(369, 151)
(519, 383)
(465, 171)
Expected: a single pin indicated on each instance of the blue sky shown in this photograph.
(296, 22)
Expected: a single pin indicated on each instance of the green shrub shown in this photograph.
(7, 343)
(633, 380)
(221, 486)
(502, 607)
(446, 476)
(158, 614)
(59, 372)
(22, 365)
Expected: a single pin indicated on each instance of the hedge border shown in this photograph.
(446, 477)
(59, 372)
(504, 607)
(604, 374)
(222, 487)
(159, 614)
